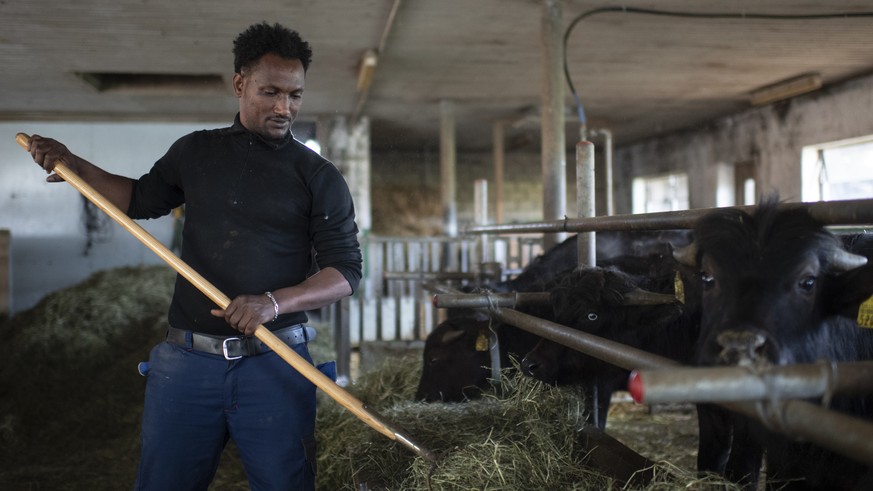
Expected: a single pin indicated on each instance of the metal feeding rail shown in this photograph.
(749, 394)
(838, 432)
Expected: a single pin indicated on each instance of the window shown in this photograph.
(660, 193)
(838, 170)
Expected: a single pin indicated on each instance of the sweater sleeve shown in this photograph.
(158, 192)
(333, 230)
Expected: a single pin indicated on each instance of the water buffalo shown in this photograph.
(599, 301)
(778, 288)
(449, 355)
(457, 361)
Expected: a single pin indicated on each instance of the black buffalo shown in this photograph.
(456, 366)
(600, 301)
(457, 361)
(778, 288)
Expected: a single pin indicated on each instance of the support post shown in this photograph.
(585, 241)
(552, 102)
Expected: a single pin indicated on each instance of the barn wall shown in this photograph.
(405, 189)
(49, 248)
(771, 136)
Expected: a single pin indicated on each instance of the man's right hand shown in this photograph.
(47, 152)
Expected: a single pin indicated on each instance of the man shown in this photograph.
(257, 202)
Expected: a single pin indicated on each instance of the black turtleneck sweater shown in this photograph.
(254, 210)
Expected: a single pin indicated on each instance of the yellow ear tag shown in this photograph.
(482, 342)
(679, 287)
(865, 313)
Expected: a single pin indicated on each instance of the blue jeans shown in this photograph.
(195, 402)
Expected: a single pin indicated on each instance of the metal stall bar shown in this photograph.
(618, 354)
(472, 301)
(730, 384)
(847, 212)
(838, 432)
(429, 275)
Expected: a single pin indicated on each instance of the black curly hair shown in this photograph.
(260, 39)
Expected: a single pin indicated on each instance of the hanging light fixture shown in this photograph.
(786, 89)
(366, 69)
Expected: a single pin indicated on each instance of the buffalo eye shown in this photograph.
(807, 283)
(707, 280)
(592, 316)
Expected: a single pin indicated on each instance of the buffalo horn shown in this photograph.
(686, 255)
(643, 297)
(842, 260)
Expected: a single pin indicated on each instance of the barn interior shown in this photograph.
(442, 116)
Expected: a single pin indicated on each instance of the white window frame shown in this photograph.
(662, 192)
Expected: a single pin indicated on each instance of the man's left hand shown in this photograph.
(246, 312)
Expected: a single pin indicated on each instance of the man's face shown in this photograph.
(270, 93)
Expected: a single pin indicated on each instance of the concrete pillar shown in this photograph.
(552, 102)
(499, 166)
(448, 168)
(358, 160)
(348, 147)
(333, 136)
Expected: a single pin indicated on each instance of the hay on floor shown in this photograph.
(70, 395)
(527, 438)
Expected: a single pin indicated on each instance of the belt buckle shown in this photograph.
(224, 349)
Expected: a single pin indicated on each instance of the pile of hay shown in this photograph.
(70, 395)
(527, 438)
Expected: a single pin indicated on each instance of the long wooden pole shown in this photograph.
(283, 350)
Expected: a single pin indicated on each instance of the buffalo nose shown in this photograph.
(741, 348)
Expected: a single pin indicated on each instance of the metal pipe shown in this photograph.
(553, 147)
(835, 431)
(429, 275)
(843, 434)
(847, 212)
(471, 301)
(618, 354)
(607, 158)
(494, 354)
(725, 384)
(480, 215)
(585, 208)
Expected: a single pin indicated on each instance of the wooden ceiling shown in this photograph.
(639, 74)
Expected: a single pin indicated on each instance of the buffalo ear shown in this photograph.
(845, 292)
(451, 336)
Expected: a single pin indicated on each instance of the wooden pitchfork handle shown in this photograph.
(300, 364)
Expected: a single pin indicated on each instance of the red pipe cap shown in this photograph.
(635, 386)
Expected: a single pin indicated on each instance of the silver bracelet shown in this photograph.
(275, 304)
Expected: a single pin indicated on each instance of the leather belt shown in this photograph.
(235, 347)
